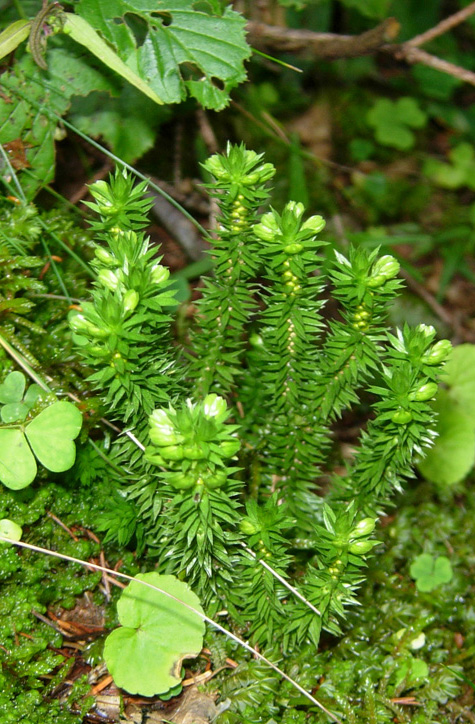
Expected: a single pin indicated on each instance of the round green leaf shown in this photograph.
(10, 529)
(453, 454)
(459, 375)
(51, 436)
(17, 464)
(12, 389)
(146, 654)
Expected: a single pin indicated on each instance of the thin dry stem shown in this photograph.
(203, 616)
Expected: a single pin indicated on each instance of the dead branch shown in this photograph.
(444, 26)
(410, 54)
(329, 46)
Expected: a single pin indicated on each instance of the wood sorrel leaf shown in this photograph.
(12, 389)
(17, 464)
(145, 655)
(51, 436)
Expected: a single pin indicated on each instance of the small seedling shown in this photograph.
(429, 573)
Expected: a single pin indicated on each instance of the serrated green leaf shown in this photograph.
(195, 52)
(13, 387)
(145, 655)
(51, 435)
(17, 464)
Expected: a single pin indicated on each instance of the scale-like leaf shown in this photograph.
(146, 654)
(186, 50)
(17, 464)
(51, 435)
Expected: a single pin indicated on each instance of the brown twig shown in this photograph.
(444, 26)
(415, 55)
(322, 45)
(331, 46)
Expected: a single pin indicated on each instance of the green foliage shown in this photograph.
(458, 173)
(48, 436)
(393, 122)
(294, 376)
(31, 664)
(187, 49)
(10, 529)
(453, 454)
(242, 531)
(177, 34)
(428, 573)
(119, 332)
(145, 655)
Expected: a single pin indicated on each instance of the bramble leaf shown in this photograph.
(186, 51)
(145, 655)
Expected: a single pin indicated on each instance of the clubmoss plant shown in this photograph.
(260, 340)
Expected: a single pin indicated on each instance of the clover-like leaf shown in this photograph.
(14, 412)
(17, 463)
(459, 172)
(412, 671)
(392, 121)
(429, 573)
(145, 655)
(51, 435)
(12, 389)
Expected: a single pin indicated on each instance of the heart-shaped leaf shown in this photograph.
(51, 436)
(145, 655)
(14, 412)
(429, 573)
(17, 464)
(12, 388)
(32, 394)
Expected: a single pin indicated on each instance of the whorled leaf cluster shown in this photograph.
(247, 420)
